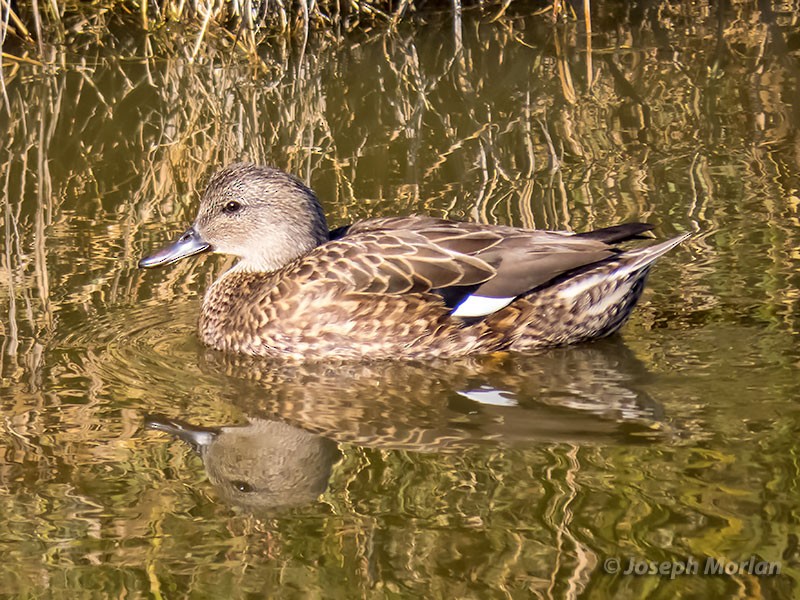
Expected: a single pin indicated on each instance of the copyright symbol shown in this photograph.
(611, 565)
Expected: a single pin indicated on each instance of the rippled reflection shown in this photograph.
(568, 394)
(284, 453)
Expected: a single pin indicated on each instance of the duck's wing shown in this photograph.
(401, 261)
(476, 268)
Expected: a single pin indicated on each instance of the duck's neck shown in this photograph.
(280, 252)
(248, 265)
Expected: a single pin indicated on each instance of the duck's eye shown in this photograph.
(243, 486)
(231, 207)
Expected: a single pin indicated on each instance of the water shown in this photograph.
(501, 476)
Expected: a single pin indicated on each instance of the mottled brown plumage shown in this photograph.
(410, 287)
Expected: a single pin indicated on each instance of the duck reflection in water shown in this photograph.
(299, 415)
(263, 464)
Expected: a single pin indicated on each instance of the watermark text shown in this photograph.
(710, 566)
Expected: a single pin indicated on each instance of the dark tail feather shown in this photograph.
(619, 233)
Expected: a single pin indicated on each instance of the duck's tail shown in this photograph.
(634, 260)
(626, 266)
(591, 304)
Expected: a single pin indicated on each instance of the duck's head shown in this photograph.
(262, 215)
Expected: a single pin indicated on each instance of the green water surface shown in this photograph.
(509, 476)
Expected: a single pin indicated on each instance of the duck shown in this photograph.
(398, 287)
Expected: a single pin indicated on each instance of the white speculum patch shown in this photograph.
(480, 306)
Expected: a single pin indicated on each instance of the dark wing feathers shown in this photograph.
(618, 233)
(523, 271)
(399, 255)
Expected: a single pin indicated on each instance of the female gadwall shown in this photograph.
(397, 287)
